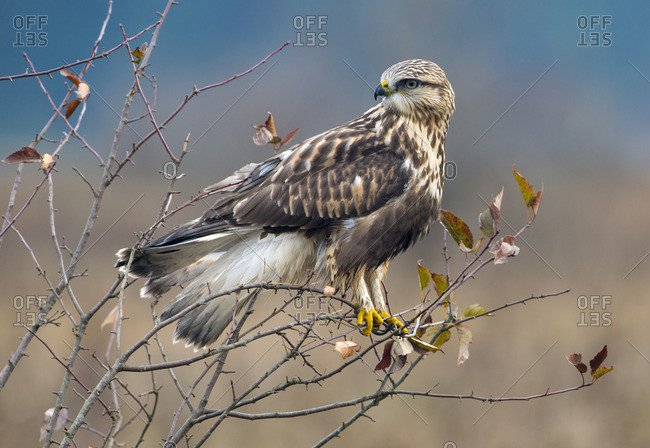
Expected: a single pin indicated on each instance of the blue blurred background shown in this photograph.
(560, 89)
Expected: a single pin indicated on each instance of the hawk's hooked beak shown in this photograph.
(383, 90)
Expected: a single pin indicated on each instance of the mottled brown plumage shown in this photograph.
(342, 203)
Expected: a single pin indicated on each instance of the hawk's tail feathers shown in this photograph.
(252, 257)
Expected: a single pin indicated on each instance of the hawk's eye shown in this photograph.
(411, 83)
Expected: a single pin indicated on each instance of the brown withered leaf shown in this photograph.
(71, 76)
(598, 359)
(489, 219)
(503, 249)
(60, 421)
(26, 154)
(574, 358)
(287, 138)
(386, 358)
(346, 348)
(465, 337)
(71, 107)
(262, 136)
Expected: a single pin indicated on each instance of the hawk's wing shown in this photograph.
(342, 174)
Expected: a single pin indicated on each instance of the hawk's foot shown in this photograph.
(370, 319)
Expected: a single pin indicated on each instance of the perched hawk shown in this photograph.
(337, 207)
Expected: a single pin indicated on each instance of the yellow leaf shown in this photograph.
(424, 274)
(440, 283)
(600, 371)
(423, 345)
(138, 53)
(532, 197)
(474, 310)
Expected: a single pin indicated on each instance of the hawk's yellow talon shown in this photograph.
(370, 318)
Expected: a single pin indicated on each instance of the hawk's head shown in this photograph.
(418, 88)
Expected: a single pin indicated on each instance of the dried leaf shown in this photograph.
(71, 107)
(26, 154)
(598, 359)
(111, 318)
(503, 249)
(60, 421)
(398, 364)
(457, 228)
(46, 162)
(489, 219)
(71, 76)
(402, 346)
(83, 90)
(424, 274)
(346, 348)
(287, 138)
(386, 358)
(471, 250)
(465, 337)
(574, 358)
(262, 136)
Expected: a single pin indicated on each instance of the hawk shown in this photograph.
(335, 208)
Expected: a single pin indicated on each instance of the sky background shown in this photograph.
(529, 92)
